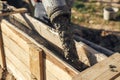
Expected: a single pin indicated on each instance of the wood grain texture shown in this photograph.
(15, 36)
(38, 26)
(2, 55)
(24, 70)
(14, 70)
(56, 71)
(17, 51)
(100, 71)
(36, 62)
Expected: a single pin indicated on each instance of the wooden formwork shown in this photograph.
(29, 57)
(27, 60)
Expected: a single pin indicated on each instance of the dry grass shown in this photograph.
(90, 14)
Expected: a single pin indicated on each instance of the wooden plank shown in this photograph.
(38, 26)
(60, 63)
(2, 55)
(15, 36)
(36, 62)
(18, 64)
(94, 46)
(109, 74)
(16, 50)
(17, 74)
(50, 76)
(93, 72)
(56, 71)
(31, 7)
(14, 11)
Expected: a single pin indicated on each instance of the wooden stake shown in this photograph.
(36, 62)
(20, 10)
(2, 55)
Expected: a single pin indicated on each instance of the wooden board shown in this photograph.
(15, 36)
(94, 46)
(2, 55)
(102, 70)
(57, 72)
(14, 70)
(36, 62)
(16, 50)
(18, 64)
(50, 76)
(14, 11)
(41, 28)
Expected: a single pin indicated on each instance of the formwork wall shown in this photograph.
(28, 61)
